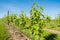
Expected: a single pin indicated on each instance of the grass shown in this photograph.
(3, 32)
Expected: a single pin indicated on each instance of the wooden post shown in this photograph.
(8, 17)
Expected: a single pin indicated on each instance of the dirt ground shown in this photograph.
(52, 31)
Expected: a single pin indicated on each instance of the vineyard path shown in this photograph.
(15, 34)
(52, 31)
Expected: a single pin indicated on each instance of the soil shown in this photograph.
(52, 31)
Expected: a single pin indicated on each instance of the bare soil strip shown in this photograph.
(52, 31)
(15, 34)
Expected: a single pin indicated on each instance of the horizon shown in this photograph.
(51, 7)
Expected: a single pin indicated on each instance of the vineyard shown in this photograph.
(34, 25)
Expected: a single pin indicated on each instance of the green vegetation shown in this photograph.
(54, 23)
(3, 32)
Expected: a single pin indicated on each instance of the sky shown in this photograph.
(51, 7)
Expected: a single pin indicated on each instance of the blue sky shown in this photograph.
(51, 7)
